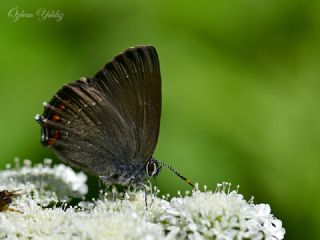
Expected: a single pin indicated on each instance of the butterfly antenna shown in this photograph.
(178, 174)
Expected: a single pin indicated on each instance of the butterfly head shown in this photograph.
(152, 167)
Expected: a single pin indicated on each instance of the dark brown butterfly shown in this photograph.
(108, 124)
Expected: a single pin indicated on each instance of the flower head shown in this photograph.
(44, 182)
(222, 214)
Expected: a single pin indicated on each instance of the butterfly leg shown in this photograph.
(154, 191)
(151, 192)
(145, 194)
(107, 180)
(131, 180)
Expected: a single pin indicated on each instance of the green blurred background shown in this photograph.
(240, 89)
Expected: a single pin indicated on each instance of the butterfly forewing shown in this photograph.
(95, 123)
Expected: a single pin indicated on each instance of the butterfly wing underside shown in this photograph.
(95, 123)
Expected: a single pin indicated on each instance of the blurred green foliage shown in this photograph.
(240, 89)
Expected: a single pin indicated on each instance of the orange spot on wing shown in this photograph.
(56, 134)
(56, 118)
(54, 138)
(52, 141)
(62, 107)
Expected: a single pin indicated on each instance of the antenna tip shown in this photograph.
(190, 183)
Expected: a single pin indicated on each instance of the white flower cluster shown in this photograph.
(43, 182)
(74, 223)
(222, 214)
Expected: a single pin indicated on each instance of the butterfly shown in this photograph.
(108, 124)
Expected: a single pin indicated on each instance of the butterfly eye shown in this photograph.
(151, 168)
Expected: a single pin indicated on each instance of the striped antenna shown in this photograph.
(178, 174)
